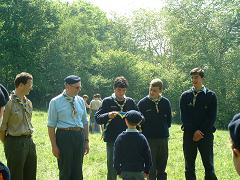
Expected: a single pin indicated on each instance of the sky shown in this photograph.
(125, 7)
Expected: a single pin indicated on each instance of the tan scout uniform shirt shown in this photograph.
(17, 117)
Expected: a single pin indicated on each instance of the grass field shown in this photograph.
(95, 162)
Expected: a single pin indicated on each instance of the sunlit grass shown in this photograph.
(95, 162)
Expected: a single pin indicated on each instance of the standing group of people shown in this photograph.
(198, 107)
(136, 135)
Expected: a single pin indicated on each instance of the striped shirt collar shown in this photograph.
(204, 89)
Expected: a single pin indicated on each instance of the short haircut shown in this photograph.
(197, 71)
(85, 96)
(23, 77)
(120, 82)
(156, 83)
(97, 95)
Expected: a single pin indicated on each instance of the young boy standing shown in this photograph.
(131, 155)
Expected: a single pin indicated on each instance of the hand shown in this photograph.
(236, 152)
(86, 147)
(112, 114)
(56, 152)
(198, 135)
(146, 175)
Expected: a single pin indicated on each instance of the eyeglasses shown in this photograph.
(76, 87)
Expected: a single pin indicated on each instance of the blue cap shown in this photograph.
(72, 79)
(234, 129)
(134, 116)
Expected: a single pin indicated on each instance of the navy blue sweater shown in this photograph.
(156, 124)
(202, 116)
(131, 153)
(117, 125)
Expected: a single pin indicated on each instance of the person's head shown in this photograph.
(120, 87)
(23, 83)
(234, 130)
(133, 118)
(85, 97)
(197, 75)
(155, 88)
(72, 85)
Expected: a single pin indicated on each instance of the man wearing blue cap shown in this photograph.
(234, 130)
(132, 156)
(68, 129)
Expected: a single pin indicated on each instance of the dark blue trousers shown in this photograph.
(71, 146)
(190, 149)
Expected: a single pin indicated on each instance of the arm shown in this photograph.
(2, 136)
(117, 155)
(211, 113)
(5, 119)
(147, 157)
(52, 137)
(86, 140)
(184, 114)
(169, 114)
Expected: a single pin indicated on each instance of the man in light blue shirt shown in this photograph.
(68, 129)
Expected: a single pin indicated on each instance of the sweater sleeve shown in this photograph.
(169, 114)
(208, 124)
(101, 116)
(147, 156)
(187, 125)
(117, 155)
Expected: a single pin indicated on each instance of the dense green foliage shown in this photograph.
(52, 39)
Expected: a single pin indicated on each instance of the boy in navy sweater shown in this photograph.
(110, 116)
(198, 107)
(156, 110)
(132, 156)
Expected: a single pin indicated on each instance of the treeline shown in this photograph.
(52, 39)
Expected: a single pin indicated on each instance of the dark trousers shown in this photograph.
(205, 147)
(159, 151)
(71, 146)
(21, 157)
(112, 173)
(127, 175)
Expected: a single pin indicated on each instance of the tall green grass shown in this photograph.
(95, 162)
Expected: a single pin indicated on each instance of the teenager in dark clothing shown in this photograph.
(132, 157)
(198, 107)
(110, 115)
(156, 110)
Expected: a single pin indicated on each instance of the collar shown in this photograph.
(114, 96)
(69, 98)
(204, 89)
(155, 100)
(131, 130)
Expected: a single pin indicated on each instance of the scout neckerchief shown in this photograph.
(70, 99)
(119, 105)
(156, 101)
(121, 113)
(24, 105)
(195, 94)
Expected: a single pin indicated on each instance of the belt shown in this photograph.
(21, 136)
(71, 129)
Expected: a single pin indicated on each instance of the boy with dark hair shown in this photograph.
(198, 107)
(132, 157)
(156, 110)
(234, 130)
(110, 115)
